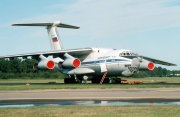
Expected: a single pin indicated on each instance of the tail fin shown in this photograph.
(52, 32)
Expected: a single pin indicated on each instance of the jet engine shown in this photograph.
(136, 65)
(70, 62)
(142, 64)
(146, 65)
(45, 63)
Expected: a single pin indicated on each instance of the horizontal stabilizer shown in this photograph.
(57, 24)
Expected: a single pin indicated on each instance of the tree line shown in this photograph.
(157, 72)
(23, 68)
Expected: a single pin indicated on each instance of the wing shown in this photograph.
(158, 61)
(79, 53)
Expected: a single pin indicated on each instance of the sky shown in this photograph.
(147, 27)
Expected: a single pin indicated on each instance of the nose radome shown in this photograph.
(135, 62)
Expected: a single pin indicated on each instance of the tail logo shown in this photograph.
(54, 39)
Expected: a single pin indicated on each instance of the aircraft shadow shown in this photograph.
(55, 83)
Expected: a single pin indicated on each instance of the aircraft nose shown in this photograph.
(135, 62)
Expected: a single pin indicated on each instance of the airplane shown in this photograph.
(96, 63)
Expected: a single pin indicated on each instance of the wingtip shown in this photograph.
(172, 65)
(13, 25)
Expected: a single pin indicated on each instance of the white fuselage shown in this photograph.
(103, 59)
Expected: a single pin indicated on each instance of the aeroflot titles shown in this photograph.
(105, 57)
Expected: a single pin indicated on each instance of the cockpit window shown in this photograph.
(127, 53)
(133, 54)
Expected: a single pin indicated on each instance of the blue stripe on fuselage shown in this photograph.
(102, 61)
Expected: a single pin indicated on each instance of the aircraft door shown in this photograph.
(103, 65)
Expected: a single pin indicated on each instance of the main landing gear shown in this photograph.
(97, 80)
(115, 81)
(72, 80)
(69, 80)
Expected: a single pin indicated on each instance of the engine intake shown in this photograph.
(151, 66)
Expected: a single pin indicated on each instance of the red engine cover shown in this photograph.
(46, 64)
(71, 63)
(50, 64)
(76, 63)
(150, 65)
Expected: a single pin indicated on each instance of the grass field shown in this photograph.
(89, 111)
(32, 84)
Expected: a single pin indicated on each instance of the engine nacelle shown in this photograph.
(45, 63)
(71, 63)
(146, 65)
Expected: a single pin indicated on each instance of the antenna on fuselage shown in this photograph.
(54, 37)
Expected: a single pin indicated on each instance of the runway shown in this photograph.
(94, 94)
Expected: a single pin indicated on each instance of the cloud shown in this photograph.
(114, 17)
(101, 19)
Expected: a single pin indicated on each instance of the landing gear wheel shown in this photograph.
(72, 80)
(66, 80)
(96, 81)
(79, 81)
(106, 80)
(118, 80)
(69, 80)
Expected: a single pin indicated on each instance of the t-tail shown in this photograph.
(54, 37)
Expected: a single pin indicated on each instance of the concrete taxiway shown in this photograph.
(93, 94)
